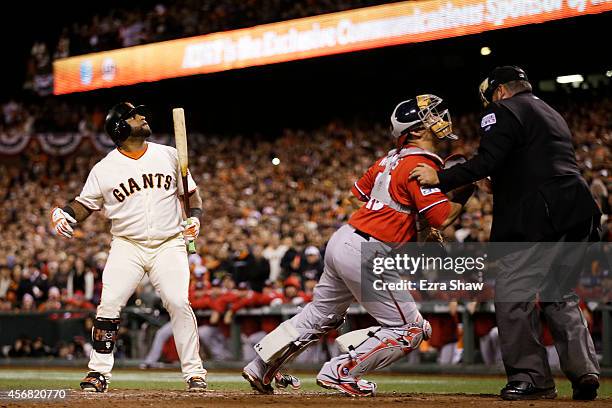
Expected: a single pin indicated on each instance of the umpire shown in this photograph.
(539, 196)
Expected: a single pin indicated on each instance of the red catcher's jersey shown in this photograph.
(387, 224)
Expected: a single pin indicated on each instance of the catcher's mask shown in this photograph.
(116, 125)
(421, 112)
(499, 76)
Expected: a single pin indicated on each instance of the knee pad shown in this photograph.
(104, 334)
(376, 347)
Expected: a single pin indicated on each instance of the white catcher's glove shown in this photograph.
(191, 228)
(61, 220)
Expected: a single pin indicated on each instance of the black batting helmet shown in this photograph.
(116, 126)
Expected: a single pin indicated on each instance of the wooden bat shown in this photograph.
(180, 136)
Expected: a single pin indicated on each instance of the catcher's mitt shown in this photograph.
(435, 235)
(426, 233)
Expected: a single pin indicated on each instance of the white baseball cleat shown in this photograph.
(355, 387)
(360, 388)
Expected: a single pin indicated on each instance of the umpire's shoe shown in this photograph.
(257, 384)
(94, 382)
(196, 384)
(523, 390)
(585, 389)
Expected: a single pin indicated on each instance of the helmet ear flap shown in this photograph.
(123, 129)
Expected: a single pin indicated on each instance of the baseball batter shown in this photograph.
(393, 203)
(135, 186)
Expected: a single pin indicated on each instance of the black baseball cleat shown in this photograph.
(523, 390)
(196, 384)
(257, 384)
(94, 382)
(287, 380)
(585, 389)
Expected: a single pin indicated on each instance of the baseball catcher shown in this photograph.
(389, 216)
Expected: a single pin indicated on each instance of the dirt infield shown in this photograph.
(233, 399)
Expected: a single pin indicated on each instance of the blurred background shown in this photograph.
(275, 148)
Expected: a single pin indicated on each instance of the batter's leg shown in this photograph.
(122, 273)
(169, 274)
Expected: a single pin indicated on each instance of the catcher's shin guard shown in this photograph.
(375, 348)
(285, 343)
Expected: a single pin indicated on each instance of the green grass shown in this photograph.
(16, 378)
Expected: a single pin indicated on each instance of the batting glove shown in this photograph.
(61, 220)
(191, 228)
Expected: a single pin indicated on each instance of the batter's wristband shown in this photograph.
(195, 212)
(68, 210)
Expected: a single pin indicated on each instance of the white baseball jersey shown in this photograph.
(139, 196)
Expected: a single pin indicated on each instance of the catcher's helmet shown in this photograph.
(421, 111)
(116, 126)
(499, 76)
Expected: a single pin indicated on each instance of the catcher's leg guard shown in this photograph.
(104, 334)
(94, 382)
(285, 343)
(374, 348)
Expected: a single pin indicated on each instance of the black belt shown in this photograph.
(363, 234)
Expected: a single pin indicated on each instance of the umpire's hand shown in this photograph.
(425, 175)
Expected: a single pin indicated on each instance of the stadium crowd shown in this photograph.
(265, 226)
(161, 21)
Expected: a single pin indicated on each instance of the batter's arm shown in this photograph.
(195, 204)
(62, 218)
(77, 210)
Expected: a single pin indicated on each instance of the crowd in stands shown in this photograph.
(163, 21)
(265, 226)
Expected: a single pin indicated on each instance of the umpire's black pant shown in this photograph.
(547, 272)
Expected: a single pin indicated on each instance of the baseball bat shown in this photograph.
(180, 136)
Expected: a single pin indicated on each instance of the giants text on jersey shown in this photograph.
(138, 195)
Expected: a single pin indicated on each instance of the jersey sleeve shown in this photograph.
(499, 133)
(430, 202)
(91, 195)
(363, 187)
(425, 198)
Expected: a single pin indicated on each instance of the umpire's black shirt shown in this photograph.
(526, 148)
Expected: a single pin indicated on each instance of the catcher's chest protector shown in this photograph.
(380, 191)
